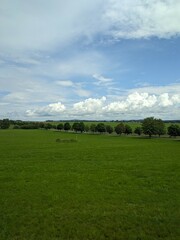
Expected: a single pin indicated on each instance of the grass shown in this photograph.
(98, 187)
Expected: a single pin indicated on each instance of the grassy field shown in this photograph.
(100, 187)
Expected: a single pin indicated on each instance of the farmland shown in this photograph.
(96, 187)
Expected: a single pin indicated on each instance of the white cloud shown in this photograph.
(143, 19)
(133, 105)
(101, 80)
(39, 25)
(44, 25)
(89, 106)
(52, 109)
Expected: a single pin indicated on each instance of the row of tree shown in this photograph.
(149, 126)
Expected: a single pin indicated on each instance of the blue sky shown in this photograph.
(103, 59)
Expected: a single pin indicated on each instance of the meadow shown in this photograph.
(95, 187)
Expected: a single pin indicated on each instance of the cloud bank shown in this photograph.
(52, 109)
(135, 105)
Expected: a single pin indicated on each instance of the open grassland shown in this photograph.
(100, 187)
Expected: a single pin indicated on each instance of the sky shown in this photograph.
(96, 60)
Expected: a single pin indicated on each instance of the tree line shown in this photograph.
(149, 126)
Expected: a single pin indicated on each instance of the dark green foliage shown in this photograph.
(81, 127)
(109, 129)
(87, 128)
(93, 127)
(152, 126)
(16, 127)
(138, 130)
(78, 127)
(160, 127)
(67, 126)
(60, 126)
(120, 128)
(149, 126)
(128, 129)
(33, 125)
(174, 130)
(75, 126)
(4, 124)
(48, 126)
(40, 125)
(101, 128)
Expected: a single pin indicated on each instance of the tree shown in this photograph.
(149, 126)
(93, 127)
(174, 130)
(160, 127)
(60, 126)
(81, 127)
(100, 128)
(48, 126)
(138, 130)
(67, 126)
(86, 128)
(109, 129)
(152, 126)
(120, 128)
(4, 124)
(78, 126)
(128, 129)
(75, 126)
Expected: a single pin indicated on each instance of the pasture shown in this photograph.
(95, 187)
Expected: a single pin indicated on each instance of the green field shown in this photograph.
(100, 187)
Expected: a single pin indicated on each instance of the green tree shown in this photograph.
(75, 126)
(48, 126)
(109, 129)
(149, 126)
(174, 130)
(4, 124)
(128, 129)
(120, 128)
(138, 130)
(160, 127)
(81, 127)
(60, 126)
(78, 127)
(67, 126)
(86, 128)
(93, 127)
(100, 128)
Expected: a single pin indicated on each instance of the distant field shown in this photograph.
(100, 187)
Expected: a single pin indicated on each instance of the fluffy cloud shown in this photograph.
(135, 105)
(143, 102)
(89, 106)
(52, 109)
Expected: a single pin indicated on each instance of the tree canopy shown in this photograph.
(120, 128)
